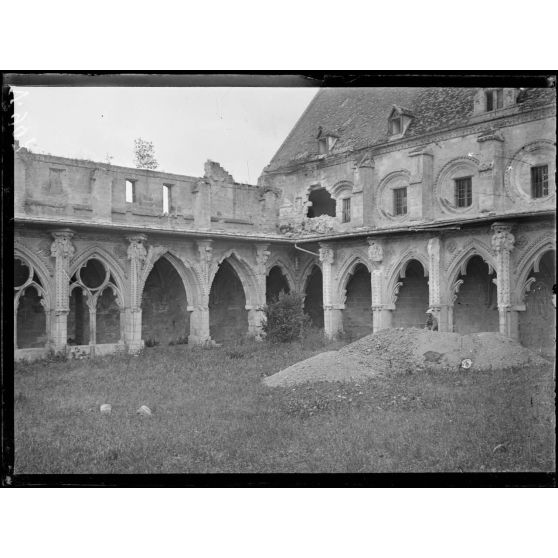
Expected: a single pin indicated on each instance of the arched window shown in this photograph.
(95, 306)
(30, 320)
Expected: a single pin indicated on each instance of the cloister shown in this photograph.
(193, 292)
(374, 209)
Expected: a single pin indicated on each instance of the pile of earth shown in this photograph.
(407, 350)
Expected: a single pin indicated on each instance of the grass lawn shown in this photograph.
(211, 413)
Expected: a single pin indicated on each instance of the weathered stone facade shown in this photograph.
(98, 272)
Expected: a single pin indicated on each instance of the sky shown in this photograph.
(240, 128)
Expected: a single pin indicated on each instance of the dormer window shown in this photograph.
(487, 100)
(395, 125)
(494, 99)
(399, 121)
(326, 141)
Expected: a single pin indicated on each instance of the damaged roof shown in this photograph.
(359, 116)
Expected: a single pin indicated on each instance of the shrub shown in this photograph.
(286, 320)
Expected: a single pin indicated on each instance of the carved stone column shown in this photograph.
(381, 316)
(502, 244)
(62, 250)
(92, 306)
(333, 317)
(136, 255)
(256, 314)
(199, 320)
(439, 307)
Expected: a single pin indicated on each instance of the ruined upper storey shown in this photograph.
(387, 158)
(358, 160)
(63, 189)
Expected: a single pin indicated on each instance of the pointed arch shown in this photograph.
(278, 261)
(347, 270)
(355, 296)
(530, 261)
(252, 289)
(398, 270)
(305, 272)
(312, 293)
(96, 251)
(187, 272)
(33, 262)
(167, 292)
(458, 264)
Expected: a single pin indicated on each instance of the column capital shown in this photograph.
(375, 250)
(327, 254)
(262, 255)
(502, 239)
(205, 246)
(136, 249)
(62, 246)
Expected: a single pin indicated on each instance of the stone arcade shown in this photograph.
(380, 204)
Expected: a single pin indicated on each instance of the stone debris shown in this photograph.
(106, 409)
(144, 410)
(407, 351)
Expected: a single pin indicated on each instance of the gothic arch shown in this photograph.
(277, 261)
(458, 264)
(96, 251)
(34, 281)
(246, 274)
(31, 260)
(188, 275)
(529, 261)
(305, 272)
(397, 270)
(347, 271)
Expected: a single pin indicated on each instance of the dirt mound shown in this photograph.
(396, 351)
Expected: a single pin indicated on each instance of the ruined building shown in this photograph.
(380, 204)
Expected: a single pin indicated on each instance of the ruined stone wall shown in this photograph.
(482, 277)
(497, 154)
(49, 186)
